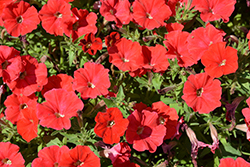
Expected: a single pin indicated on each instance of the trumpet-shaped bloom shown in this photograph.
(59, 107)
(91, 81)
(202, 93)
(239, 162)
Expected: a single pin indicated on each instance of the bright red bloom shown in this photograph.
(9, 155)
(177, 45)
(63, 81)
(91, 44)
(230, 162)
(50, 156)
(150, 14)
(246, 113)
(174, 27)
(110, 125)
(31, 79)
(155, 58)
(82, 23)
(111, 39)
(3, 4)
(126, 55)
(80, 156)
(116, 10)
(248, 37)
(20, 18)
(215, 9)
(54, 14)
(27, 126)
(166, 116)
(10, 63)
(220, 60)
(202, 93)
(91, 81)
(15, 104)
(201, 38)
(59, 107)
(144, 132)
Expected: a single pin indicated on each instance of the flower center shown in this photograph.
(19, 19)
(125, 60)
(88, 45)
(161, 120)
(58, 115)
(56, 164)
(90, 85)
(78, 163)
(139, 130)
(149, 16)
(22, 75)
(5, 64)
(23, 106)
(111, 123)
(75, 25)
(58, 15)
(223, 62)
(7, 161)
(199, 92)
(111, 11)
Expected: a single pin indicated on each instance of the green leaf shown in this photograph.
(71, 57)
(109, 103)
(55, 141)
(120, 95)
(229, 150)
(157, 81)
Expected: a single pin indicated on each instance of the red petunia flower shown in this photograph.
(27, 125)
(116, 10)
(174, 27)
(166, 116)
(239, 162)
(91, 81)
(82, 23)
(59, 107)
(3, 4)
(155, 58)
(246, 114)
(10, 63)
(110, 126)
(202, 93)
(126, 55)
(177, 45)
(150, 14)
(144, 132)
(15, 104)
(80, 156)
(31, 79)
(111, 39)
(214, 10)
(201, 38)
(50, 156)
(90, 44)
(54, 14)
(63, 81)
(220, 60)
(20, 18)
(9, 155)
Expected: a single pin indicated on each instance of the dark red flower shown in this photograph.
(54, 14)
(144, 132)
(116, 10)
(50, 156)
(239, 162)
(82, 23)
(20, 18)
(220, 60)
(202, 93)
(91, 44)
(9, 155)
(214, 10)
(63, 81)
(126, 55)
(150, 14)
(91, 81)
(110, 126)
(31, 79)
(10, 63)
(59, 107)
(80, 156)
(177, 45)
(27, 125)
(166, 116)
(15, 104)
(201, 38)
(111, 39)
